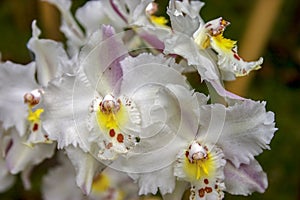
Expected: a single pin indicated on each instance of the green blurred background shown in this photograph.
(277, 39)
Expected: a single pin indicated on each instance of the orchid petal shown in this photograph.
(138, 14)
(150, 182)
(16, 80)
(183, 45)
(63, 189)
(229, 61)
(246, 179)
(101, 67)
(66, 102)
(178, 192)
(21, 156)
(184, 16)
(166, 139)
(6, 179)
(25, 177)
(86, 167)
(89, 16)
(243, 133)
(141, 72)
(49, 56)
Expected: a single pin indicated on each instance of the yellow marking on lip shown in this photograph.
(222, 43)
(199, 168)
(111, 120)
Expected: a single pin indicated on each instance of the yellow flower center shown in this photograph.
(199, 168)
(101, 183)
(151, 9)
(112, 119)
(112, 116)
(198, 162)
(34, 117)
(226, 45)
(160, 21)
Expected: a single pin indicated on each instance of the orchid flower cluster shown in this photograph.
(114, 106)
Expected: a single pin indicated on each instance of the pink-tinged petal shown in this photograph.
(132, 13)
(100, 59)
(217, 90)
(243, 132)
(153, 40)
(21, 156)
(117, 10)
(86, 167)
(50, 56)
(114, 15)
(245, 179)
(66, 104)
(15, 81)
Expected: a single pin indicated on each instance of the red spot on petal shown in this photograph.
(208, 189)
(207, 25)
(206, 181)
(9, 145)
(120, 138)
(186, 154)
(206, 148)
(35, 127)
(109, 145)
(112, 133)
(46, 137)
(236, 56)
(201, 192)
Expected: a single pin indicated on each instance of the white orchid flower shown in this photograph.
(210, 34)
(221, 156)
(198, 42)
(215, 157)
(102, 105)
(20, 103)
